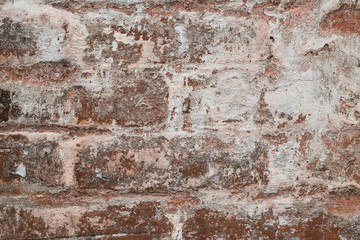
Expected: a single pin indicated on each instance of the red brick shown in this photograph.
(345, 20)
(341, 157)
(132, 99)
(142, 218)
(82, 6)
(138, 100)
(158, 164)
(14, 40)
(40, 158)
(210, 224)
(43, 73)
(179, 119)
(83, 217)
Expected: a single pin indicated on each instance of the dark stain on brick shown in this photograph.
(15, 40)
(186, 105)
(7, 109)
(5, 102)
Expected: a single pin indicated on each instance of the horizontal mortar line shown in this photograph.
(185, 66)
(109, 192)
(149, 134)
(52, 128)
(119, 194)
(152, 130)
(101, 236)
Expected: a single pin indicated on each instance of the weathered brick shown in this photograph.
(210, 224)
(158, 164)
(144, 217)
(15, 40)
(139, 101)
(129, 99)
(29, 160)
(82, 6)
(74, 216)
(340, 159)
(345, 20)
(174, 119)
(43, 73)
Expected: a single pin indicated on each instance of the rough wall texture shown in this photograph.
(180, 119)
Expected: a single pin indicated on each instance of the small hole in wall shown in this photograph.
(272, 38)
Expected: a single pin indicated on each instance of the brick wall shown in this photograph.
(180, 119)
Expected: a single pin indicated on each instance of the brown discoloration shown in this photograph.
(345, 20)
(263, 114)
(83, 6)
(70, 130)
(15, 40)
(43, 73)
(186, 108)
(41, 160)
(185, 5)
(342, 156)
(301, 119)
(304, 143)
(276, 139)
(186, 105)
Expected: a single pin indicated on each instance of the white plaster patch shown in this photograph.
(21, 170)
(98, 173)
(283, 221)
(181, 31)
